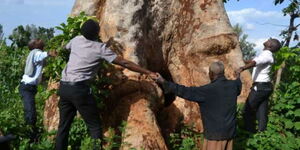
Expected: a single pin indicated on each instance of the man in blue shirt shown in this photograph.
(31, 78)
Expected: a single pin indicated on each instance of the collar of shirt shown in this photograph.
(219, 78)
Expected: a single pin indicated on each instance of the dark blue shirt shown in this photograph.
(217, 102)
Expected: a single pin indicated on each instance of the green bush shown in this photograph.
(185, 139)
(284, 122)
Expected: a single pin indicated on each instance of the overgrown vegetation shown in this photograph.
(283, 129)
(11, 70)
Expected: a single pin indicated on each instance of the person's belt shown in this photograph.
(27, 84)
(85, 82)
(262, 83)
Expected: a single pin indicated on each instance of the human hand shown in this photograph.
(159, 78)
(238, 72)
(52, 53)
(153, 76)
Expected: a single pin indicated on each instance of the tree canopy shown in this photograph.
(22, 35)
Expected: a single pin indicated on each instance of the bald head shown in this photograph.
(216, 68)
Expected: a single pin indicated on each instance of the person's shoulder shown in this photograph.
(266, 52)
(78, 37)
(234, 81)
(207, 86)
(100, 44)
(36, 51)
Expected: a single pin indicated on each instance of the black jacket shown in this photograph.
(217, 102)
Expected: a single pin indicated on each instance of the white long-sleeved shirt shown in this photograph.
(262, 69)
(38, 61)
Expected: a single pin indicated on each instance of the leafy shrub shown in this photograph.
(284, 122)
(185, 139)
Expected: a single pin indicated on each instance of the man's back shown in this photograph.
(218, 108)
(84, 59)
(217, 102)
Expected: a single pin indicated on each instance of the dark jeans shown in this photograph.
(73, 98)
(257, 105)
(28, 93)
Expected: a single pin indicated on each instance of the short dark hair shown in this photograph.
(35, 44)
(275, 45)
(90, 29)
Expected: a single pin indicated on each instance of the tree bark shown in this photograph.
(178, 39)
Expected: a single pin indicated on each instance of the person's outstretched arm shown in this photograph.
(40, 56)
(131, 66)
(250, 64)
(263, 58)
(195, 94)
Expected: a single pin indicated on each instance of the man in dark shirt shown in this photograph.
(218, 105)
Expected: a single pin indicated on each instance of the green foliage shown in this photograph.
(11, 69)
(291, 57)
(293, 7)
(246, 46)
(283, 131)
(185, 139)
(22, 35)
(278, 2)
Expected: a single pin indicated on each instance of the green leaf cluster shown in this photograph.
(185, 139)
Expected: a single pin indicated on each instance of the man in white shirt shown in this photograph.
(31, 78)
(257, 102)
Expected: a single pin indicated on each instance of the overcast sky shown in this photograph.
(260, 19)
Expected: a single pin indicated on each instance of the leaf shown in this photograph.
(288, 124)
(297, 125)
(297, 113)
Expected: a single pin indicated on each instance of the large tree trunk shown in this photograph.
(177, 38)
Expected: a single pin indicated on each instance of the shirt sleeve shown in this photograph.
(107, 54)
(239, 86)
(263, 58)
(195, 94)
(40, 56)
(68, 46)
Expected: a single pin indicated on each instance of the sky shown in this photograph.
(45, 13)
(260, 19)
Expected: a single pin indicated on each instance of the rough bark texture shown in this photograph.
(51, 115)
(177, 38)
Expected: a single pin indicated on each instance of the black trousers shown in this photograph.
(28, 93)
(73, 98)
(257, 107)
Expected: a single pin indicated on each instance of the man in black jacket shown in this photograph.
(218, 105)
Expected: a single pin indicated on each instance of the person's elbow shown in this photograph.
(120, 61)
